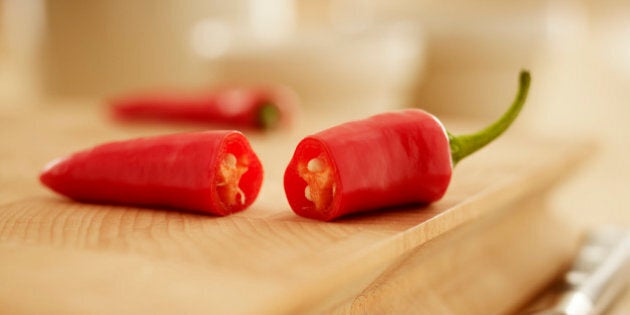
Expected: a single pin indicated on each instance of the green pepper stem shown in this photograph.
(464, 145)
(268, 115)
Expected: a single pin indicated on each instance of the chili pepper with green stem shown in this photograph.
(391, 159)
(252, 108)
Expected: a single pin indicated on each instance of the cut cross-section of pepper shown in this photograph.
(230, 172)
(318, 176)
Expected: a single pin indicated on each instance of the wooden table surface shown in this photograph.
(60, 256)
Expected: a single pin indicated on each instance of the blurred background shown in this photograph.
(458, 59)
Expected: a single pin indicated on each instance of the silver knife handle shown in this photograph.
(600, 272)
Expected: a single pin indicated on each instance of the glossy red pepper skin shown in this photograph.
(176, 171)
(386, 160)
(234, 107)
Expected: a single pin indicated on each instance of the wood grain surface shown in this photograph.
(60, 256)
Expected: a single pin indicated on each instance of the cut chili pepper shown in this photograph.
(258, 108)
(213, 171)
(387, 160)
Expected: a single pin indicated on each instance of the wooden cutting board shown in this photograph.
(485, 248)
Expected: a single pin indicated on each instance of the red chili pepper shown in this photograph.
(237, 107)
(386, 160)
(213, 171)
